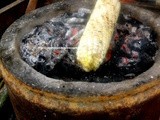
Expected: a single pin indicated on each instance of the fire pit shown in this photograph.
(35, 96)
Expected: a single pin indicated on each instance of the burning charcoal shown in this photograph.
(50, 48)
(134, 51)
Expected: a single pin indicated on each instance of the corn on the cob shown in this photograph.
(96, 38)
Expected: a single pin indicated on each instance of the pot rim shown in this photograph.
(11, 59)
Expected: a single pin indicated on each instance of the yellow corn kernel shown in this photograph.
(97, 35)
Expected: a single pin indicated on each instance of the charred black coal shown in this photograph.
(135, 48)
(50, 49)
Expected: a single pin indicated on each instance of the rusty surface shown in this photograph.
(35, 96)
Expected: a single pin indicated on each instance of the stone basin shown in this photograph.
(35, 96)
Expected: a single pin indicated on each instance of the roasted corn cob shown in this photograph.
(96, 38)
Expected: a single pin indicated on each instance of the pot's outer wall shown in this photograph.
(9, 52)
(35, 96)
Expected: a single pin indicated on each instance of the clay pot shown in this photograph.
(37, 97)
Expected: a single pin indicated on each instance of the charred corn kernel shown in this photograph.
(97, 35)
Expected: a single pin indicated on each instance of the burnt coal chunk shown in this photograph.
(149, 48)
(122, 32)
(134, 22)
(41, 58)
(40, 67)
(65, 70)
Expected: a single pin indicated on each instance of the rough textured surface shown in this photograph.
(52, 98)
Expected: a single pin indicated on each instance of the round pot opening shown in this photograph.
(51, 48)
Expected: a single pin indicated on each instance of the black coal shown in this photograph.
(50, 49)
